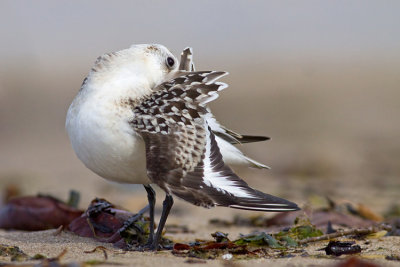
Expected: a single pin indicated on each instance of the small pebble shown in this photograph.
(227, 256)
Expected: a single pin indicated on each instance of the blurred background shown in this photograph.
(321, 78)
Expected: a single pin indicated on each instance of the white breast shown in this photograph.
(104, 141)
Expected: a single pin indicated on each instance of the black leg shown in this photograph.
(167, 205)
(151, 196)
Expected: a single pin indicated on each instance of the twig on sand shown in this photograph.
(58, 230)
(103, 249)
(59, 256)
(357, 231)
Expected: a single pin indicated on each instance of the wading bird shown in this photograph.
(139, 118)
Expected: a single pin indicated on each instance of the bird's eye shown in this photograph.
(170, 62)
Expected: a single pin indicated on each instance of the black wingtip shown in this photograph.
(252, 138)
(264, 202)
(295, 207)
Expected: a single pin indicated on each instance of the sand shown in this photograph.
(50, 245)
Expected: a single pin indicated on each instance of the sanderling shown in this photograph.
(139, 118)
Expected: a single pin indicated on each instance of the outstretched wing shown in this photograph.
(182, 155)
(186, 64)
(226, 138)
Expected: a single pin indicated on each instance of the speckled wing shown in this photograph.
(182, 155)
(172, 124)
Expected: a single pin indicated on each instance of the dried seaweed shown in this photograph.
(257, 240)
(103, 221)
(106, 222)
(286, 243)
(15, 253)
(254, 245)
(36, 213)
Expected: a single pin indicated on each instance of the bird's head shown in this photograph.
(143, 65)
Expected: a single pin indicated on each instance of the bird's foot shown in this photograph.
(145, 247)
(150, 247)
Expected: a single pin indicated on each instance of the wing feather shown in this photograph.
(182, 154)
